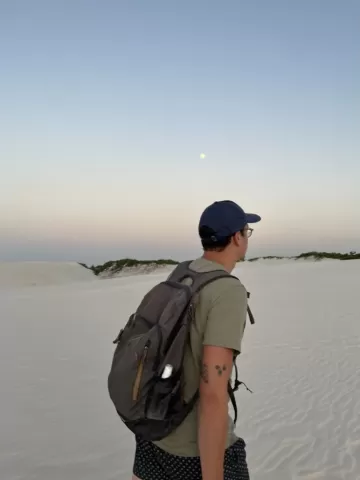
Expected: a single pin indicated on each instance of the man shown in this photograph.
(205, 446)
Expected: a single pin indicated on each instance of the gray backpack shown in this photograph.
(145, 382)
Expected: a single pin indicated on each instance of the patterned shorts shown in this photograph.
(153, 463)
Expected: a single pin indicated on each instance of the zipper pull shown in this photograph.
(117, 339)
(139, 373)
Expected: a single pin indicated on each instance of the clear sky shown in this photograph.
(106, 106)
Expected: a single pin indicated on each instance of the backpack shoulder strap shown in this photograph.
(197, 280)
(232, 390)
(251, 316)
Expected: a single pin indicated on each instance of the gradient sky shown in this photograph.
(106, 106)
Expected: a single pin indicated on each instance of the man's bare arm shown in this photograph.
(216, 369)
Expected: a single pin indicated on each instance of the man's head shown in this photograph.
(224, 230)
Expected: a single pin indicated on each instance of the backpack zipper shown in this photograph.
(139, 374)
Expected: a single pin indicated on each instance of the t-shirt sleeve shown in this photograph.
(227, 317)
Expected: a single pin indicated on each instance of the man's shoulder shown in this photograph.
(227, 286)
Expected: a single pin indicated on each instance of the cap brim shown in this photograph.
(252, 218)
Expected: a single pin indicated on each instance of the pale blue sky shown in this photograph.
(106, 106)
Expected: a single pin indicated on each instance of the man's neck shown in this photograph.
(217, 257)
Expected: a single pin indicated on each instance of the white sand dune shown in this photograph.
(21, 274)
(301, 359)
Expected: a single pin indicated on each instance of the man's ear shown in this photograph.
(237, 238)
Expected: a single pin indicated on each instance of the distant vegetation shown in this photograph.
(316, 256)
(269, 257)
(333, 255)
(116, 266)
(84, 265)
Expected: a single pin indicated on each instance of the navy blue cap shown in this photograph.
(224, 218)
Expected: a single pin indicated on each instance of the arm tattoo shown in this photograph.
(204, 373)
(220, 369)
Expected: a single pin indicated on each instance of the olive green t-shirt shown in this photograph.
(220, 318)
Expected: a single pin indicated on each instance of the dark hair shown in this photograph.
(209, 241)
